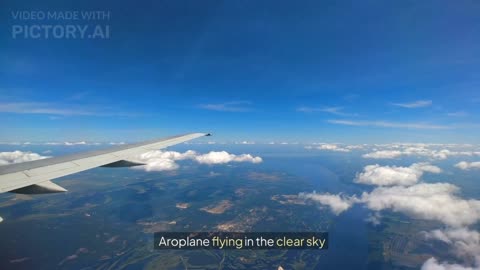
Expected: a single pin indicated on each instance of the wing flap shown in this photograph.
(123, 163)
(40, 188)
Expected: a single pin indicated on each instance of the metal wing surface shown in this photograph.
(34, 177)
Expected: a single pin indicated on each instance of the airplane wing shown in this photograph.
(34, 177)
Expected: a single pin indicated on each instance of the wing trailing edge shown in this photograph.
(40, 188)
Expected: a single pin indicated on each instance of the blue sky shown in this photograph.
(308, 71)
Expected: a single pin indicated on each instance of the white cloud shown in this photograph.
(416, 150)
(464, 165)
(374, 218)
(392, 175)
(331, 110)
(245, 142)
(233, 106)
(433, 264)
(72, 143)
(426, 201)
(332, 147)
(437, 201)
(18, 157)
(458, 114)
(224, 157)
(39, 108)
(329, 147)
(337, 203)
(162, 160)
(387, 124)
(159, 164)
(414, 104)
(75, 143)
(116, 143)
(425, 167)
(54, 109)
(355, 147)
(165, 160)
(465, 242)
(383, 154)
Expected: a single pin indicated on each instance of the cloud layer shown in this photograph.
(18, 157)
(232, 106)
(420, 151)
(333, 110)
(465, 242)
(433, 264)
(337, 203)
(414, 104)
(399, 190)
(224, 157)
(329, 147)
(392, 175)
(165, 160)
(54, 109)
(386, 124)
(436, 201)
(463, 165)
